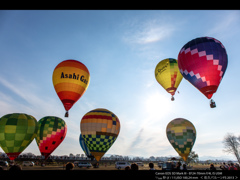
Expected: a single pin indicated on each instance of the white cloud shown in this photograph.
(13, 88)
(148, 38)
(225, 25)
(152, 34)
(148, 32)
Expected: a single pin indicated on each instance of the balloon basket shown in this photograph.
(172, 98)
(66, 114)
(212, 104)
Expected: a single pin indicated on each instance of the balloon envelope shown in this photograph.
(203, 62)
(168, 75)
(51, 132)
(181, 133)
(99, 128)
(84, 146)
(70, 79)
(17, 131)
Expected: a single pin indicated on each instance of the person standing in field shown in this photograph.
(232, 167)
(212, 168)
(151, 165)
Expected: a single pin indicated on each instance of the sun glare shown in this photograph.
(157, 105)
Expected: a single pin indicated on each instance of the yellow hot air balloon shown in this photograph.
(70, 80)
(168, 75)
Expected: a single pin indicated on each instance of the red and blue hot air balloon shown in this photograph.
(203, 62)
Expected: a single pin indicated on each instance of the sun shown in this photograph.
(157, 104)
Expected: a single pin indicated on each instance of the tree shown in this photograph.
(232, 145)
(192, 158)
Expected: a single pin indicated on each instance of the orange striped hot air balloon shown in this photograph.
(70, 80)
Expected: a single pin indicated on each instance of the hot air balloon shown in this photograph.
(17, 131)
(203, 62)
(168, 75)
(51, 132)
(84, 147)
(181, 133)
(100, 129)
(70, 80)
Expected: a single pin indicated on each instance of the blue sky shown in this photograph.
(121, 49)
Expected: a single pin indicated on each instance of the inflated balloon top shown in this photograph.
(99, 129)
(51, 132)
(17, 131)
(168, 75)
(70, 79)
(203, 62)
(181, 133)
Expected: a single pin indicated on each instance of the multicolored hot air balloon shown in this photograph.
(84, 147)
(70, 80)
(51, 132)
(17, 131)
(181, 133)
(168, 75)
(100, 129)
(203, 62)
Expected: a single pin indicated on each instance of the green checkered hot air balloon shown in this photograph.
(181, 133)
(17, 131)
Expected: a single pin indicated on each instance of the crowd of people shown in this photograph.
(14, 168)
(178, 167)
(134, 166)
(224, 166)
(230, 166)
